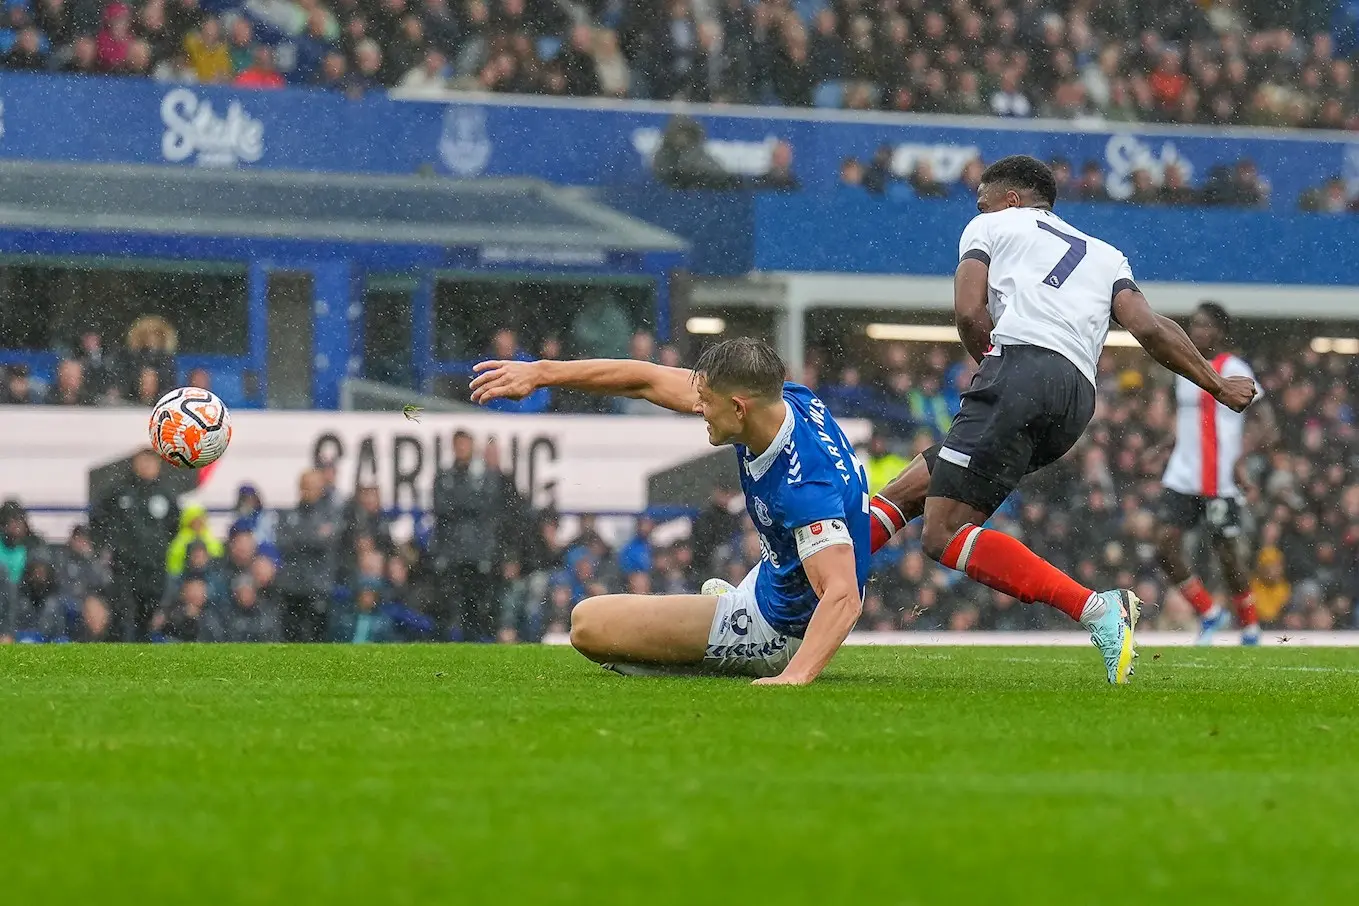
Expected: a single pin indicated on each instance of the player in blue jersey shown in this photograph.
(805, 491)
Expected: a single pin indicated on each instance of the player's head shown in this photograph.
(1017, 181)
(1209, 326)
(736, 380)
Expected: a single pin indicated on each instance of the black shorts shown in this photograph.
(1220, 516)
(1024, 410)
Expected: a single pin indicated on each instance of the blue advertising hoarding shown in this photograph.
(105, 120)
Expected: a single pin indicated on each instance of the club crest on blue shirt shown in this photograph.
(762, 512)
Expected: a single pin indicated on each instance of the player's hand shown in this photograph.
(783, 679)
(497, 380)
(1237, 393)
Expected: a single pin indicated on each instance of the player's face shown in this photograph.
(992, 198)
(1203, 331)
(725, 415)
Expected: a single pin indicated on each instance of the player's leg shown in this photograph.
(1228, 543)
(1023, 411)
(1178, 513)
(643, 629)
(682, 634)
(902, 500)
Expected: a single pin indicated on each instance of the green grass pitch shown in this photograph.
(389, 775)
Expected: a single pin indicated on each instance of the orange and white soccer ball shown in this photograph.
(190, 427)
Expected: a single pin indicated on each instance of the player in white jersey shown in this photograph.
(1200, 482)
(1033, 297)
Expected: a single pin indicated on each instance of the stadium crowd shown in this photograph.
(485, 565)
(1226, 62)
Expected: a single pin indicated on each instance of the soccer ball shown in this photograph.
(190, 428)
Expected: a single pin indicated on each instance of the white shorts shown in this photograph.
(741, 641)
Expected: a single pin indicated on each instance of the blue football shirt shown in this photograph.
(808, 475)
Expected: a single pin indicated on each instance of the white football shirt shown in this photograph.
(1049, 284)
(1208, 437)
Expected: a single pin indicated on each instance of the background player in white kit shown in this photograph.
(1200, 482)
(1033, 297)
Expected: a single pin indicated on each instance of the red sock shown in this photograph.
(1197, 596)
(886, 520)
(996, 560)
(1244, 604)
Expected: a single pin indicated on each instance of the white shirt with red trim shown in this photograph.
(1208, 437)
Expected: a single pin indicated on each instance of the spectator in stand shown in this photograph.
(1331, 197)
(18, 389)
(69, 389)
(115, 38)
(193, 528)
(466, 508)
(1010, 100)
(780, 176)
(1091, 187)
(851, 174)
(80, 571)
(429, 79)
(26, 54)
(576, 64)
(307, 540)
(245, 617)
(37, 604)
(923, 182)
(792, 75)
(17, 542)
(611, 68)
(182, 618)
(262, 74)
(209, 54)
(83, 58)
(1066, 185)
(138, 62)
(55, 20)
(153, 26)
(367, 69)
(334, 76)
(1174, 189)
(151, 344)
(241, 44)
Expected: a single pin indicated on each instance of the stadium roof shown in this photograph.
(344, 208)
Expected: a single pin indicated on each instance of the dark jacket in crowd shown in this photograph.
(36, 605)
(308, 539)
(467, 513)
(136, 522)
(81, 574)
(682, 161)
(230, 621)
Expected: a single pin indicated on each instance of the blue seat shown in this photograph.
(829, 94)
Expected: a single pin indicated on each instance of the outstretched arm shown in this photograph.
(672, 388)
(1166, 342)
(832, 575)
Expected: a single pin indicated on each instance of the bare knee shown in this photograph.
(588, 635)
